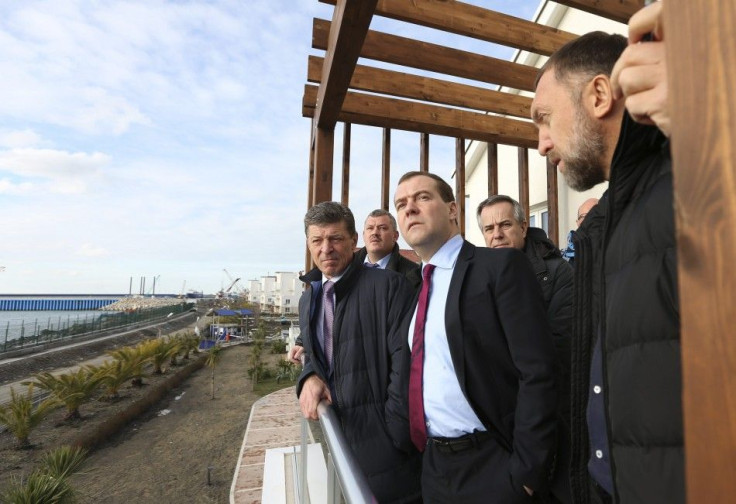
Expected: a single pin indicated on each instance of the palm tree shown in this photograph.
(112, 375)
(213, 357)
(21, 417)
(135, 358)
(160, 351)
(49, 483)
(189, 343)
(72, 389)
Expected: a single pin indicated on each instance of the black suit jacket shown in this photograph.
(501, 347)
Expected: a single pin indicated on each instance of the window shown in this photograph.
(539, 217)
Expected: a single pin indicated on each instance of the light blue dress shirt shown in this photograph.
(446, 411)
(382, 263)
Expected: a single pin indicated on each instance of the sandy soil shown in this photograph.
(163, 456)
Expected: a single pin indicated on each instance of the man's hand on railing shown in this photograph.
(295, 354)
(314, 390)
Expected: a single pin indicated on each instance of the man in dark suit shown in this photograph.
(481, 389)
(381, 250)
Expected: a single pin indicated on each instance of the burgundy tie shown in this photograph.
(417, 427)
(329, 309)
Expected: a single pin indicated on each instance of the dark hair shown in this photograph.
(380, 212)
(589, 55)
(443, 188)
(501, 198)
(329, 212)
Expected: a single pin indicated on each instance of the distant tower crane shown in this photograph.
(233, 281)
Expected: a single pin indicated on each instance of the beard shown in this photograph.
(584, 161)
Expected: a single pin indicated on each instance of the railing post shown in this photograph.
(7, 330)
(333, 489)
(303, 497)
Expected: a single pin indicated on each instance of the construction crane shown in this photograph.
(233, 281)
(183, 286)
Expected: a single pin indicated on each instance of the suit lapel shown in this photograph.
(453, 325)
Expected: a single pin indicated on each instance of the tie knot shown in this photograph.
(427, 272)
(372, 265)
(329, 287)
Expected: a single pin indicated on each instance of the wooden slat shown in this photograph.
(553, 204)
(378, 80)
(324, 146)
(701, 62)
(346, 165)
(373, 110)
(386, 167)
(435, 58)
(476, 22)
(492, 169)
(310, 183)
(618, 10)
(350, 22)
(424, 152)
(460, 182)
(523, 155)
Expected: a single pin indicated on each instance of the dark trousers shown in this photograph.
(477, 474)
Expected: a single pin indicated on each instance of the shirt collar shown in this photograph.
(446, 256)
(382, 262)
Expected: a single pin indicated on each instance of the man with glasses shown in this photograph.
(568, 253)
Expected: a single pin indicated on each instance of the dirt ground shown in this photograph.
(163, 456)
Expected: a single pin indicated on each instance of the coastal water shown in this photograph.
(13, 324)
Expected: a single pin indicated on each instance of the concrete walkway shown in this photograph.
(275, 422)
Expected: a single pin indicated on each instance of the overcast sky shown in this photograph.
(165, 138)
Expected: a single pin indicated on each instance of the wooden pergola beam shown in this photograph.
(349, 27)
(371, 110)
(435, 58)
(476, 22)
(378, 80)
(618, 10)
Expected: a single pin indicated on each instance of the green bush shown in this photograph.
(278, 347)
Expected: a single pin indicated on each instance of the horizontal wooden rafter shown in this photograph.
(476, 22)
(618, 10)
(371, 110)
(377, 80)
(435, 58)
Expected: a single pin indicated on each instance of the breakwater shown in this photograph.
(54, 304)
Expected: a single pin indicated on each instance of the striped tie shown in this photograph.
(328, 303)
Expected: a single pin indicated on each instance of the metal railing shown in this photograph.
(344, 476)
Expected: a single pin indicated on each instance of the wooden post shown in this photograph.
(460, 182)
(324, 146)
(424, 152)
(346, 164)
(701, 61)
(386, 168)
(492, 169)
(524, 179)
(553, 214)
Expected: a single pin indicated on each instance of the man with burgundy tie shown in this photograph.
(481, 390)
(350, 319)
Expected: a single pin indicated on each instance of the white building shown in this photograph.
(278, 293)
(476, 174)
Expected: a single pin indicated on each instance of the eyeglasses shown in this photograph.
(582, 216)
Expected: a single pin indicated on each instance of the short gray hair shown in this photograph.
(329, 212)
(380, 212)
(501, 198)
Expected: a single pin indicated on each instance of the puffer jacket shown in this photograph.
(364, 384)
(626, 285)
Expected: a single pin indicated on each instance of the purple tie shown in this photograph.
(417, 427)
(328, 303)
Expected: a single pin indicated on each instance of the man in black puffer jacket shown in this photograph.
(627, 432)
(502, 221)
(349, 317)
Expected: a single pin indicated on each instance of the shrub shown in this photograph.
(72, 389)
(21, 417)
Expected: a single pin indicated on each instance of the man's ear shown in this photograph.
(598, 96)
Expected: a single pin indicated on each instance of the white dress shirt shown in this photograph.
(446, 411)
